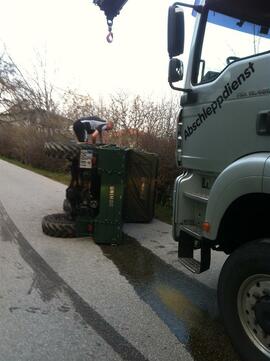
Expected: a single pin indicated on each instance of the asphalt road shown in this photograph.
(70, 299)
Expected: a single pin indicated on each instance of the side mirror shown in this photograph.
(175, 70)
(176, 31)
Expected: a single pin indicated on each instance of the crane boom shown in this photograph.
(111, 8)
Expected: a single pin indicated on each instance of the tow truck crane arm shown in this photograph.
(111, 9)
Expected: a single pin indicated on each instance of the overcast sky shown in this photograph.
(70, 36)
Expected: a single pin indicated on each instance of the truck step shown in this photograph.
(186, 254)
(191, 264)
(202, 198)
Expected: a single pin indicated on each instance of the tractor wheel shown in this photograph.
(58, 225)
(61, 150)
(244, 299)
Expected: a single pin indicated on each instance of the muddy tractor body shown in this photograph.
(109, 185)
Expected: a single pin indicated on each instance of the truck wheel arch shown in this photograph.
(241, 179)
(245, 220)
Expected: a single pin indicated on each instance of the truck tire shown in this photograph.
(244, 299)
(61, 150)
(58, 225)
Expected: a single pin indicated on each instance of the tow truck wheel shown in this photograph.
(61, 150)
(244, 299)
(58, 225)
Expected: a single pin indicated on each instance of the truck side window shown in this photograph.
(226, 40)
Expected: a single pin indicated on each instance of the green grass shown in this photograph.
(162, 213)
(57, 176)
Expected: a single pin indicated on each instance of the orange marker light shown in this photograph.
(206, 227)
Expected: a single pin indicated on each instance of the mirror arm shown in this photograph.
(179, 89)
(198, 8)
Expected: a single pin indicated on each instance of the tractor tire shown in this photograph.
(244, 299)
(58, 225)
(67, 151)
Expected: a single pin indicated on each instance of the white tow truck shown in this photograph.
(222, 198)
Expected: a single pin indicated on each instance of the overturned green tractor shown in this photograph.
(109, 186)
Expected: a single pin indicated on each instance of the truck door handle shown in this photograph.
(263, 123)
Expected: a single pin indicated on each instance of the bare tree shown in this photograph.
(75, 105)
(19, 93)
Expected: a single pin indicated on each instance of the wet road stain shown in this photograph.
(46, 287)
(206, 340)
(188, 307)
(5, 234)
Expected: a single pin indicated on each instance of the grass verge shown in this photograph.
(164, 214)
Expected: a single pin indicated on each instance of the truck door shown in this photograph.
(227, 115)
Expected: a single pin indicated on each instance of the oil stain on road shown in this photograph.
(188, 307)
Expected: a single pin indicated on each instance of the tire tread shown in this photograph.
(58, 225)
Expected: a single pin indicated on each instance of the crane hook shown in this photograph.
(109, 37)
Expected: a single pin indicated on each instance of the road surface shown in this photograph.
(70, 299)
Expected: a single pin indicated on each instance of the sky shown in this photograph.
(70, 36)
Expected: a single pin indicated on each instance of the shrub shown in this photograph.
(26, 144)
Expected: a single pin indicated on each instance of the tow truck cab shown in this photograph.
(222, 196)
